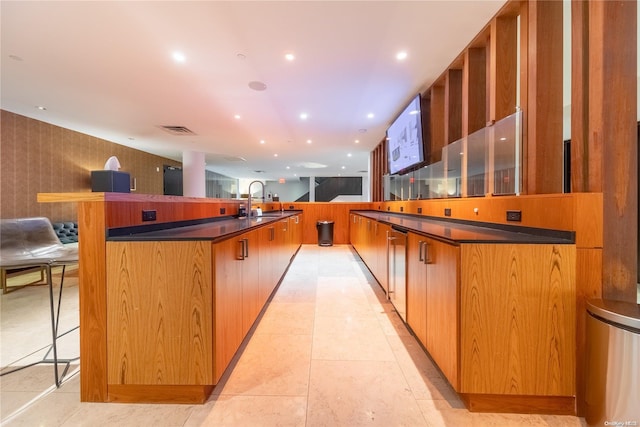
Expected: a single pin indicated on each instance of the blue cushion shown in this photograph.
(67, 231)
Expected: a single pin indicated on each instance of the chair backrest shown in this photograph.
(27, 238)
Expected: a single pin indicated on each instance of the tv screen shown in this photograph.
(405, 146)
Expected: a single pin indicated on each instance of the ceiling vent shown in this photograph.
(235, 159)
(177, 130)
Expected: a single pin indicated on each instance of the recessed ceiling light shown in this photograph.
(237, 117)
(289, 56)
(256, 85)
(344, 167)
(309, 141)
(304, 116)
(275, 155)
(357, 141)
(41, 108)
(262, 141)
(370, 116)
(348, 154)
(503, 139)
(179, 56)
(401, 56)
(288, 167)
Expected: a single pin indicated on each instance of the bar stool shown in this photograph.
(32, 242)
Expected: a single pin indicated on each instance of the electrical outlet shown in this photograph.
(447, 211)
(388, 208)
(291, 207)
(223, 211)
(401, 208)
(149, 215)
(514, 216)
(419, 210)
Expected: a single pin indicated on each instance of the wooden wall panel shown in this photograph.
(474, 90)
(437, 123)
(93, 302)
(502, 77)
(38, 157)
(544, 110)
(122, 214)
(571, 212)
(453, 106)
(158, 321)
(525, 345)
(613, 144)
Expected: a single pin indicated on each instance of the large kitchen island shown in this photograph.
(166, 304)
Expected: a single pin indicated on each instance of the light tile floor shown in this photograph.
(329, 350)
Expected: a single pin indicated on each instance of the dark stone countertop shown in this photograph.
(457, 231)
(214, 229)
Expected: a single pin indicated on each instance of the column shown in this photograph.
(193, 175)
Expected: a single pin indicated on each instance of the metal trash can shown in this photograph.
(612, 363)
(325, 233)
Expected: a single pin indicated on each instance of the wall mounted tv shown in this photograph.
(405, 142)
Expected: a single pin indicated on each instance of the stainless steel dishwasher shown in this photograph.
(397, 271)
(613, 363)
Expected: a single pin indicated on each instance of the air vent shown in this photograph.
(362, 171)
(259, 171)
(177, 130)
(235, 159)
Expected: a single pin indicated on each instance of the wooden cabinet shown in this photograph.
(268, 277)
(432, 300)
(382, 256)
(160, 315)
(443, 268)
(497, 318)
(251, 304)
(227, 302)
(179, 310)
(369, 238)
(247, 269)
(517, 319)
(417, 287)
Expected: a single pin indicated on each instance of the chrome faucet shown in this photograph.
(249, 200)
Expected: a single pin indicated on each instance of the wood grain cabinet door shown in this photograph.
(518, 311)
(417, 287)
(228, 327)
(443, 290)
(251, 304)
(160, 315)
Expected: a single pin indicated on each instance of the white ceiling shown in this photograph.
(105, 68)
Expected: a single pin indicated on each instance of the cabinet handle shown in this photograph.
(242, 248)
(246, 248)
(427, 253)
(420, 246)
(297, 218)
(272, 234)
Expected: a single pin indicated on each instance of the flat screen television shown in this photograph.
(405, 143)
